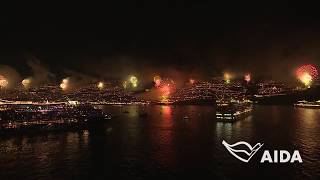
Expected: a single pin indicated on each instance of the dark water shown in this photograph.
(164, 145)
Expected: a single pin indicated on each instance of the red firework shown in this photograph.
(166, 90)
(247, 78)
(307, 69)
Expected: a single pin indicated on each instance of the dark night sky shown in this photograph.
(203, 38)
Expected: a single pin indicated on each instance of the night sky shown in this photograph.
(202, 39)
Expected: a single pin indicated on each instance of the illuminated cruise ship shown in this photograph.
(308, 104)
(230, 111)
(26, 116)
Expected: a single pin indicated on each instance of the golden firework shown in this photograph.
(64, 84)
(306, 79)
(3, 82)
(100, 85)
(26, 82)
(227, 78)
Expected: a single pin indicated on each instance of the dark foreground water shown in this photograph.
(167, 146)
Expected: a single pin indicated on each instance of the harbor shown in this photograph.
(169, 90)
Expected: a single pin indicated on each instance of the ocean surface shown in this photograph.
(165, 145)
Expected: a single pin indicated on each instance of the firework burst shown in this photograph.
(157, 81)
(306, 74)
(3, 82)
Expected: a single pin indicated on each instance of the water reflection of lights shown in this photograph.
(73, 139)
(85, 136)
(43, 149)
(162, 139)
(309, 117)
(166, 110)
(224, 130)
(237, 129)
(167, 116)
(9, 146)
(133, 111)
(306, 134)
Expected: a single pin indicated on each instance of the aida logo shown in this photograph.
(243, 151)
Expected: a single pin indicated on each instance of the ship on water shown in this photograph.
(308, 104)
(46, 116)
(231, 111)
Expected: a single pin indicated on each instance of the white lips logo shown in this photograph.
(237, 152)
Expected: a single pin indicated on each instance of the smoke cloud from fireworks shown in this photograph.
(10, 75)
(40, 73)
